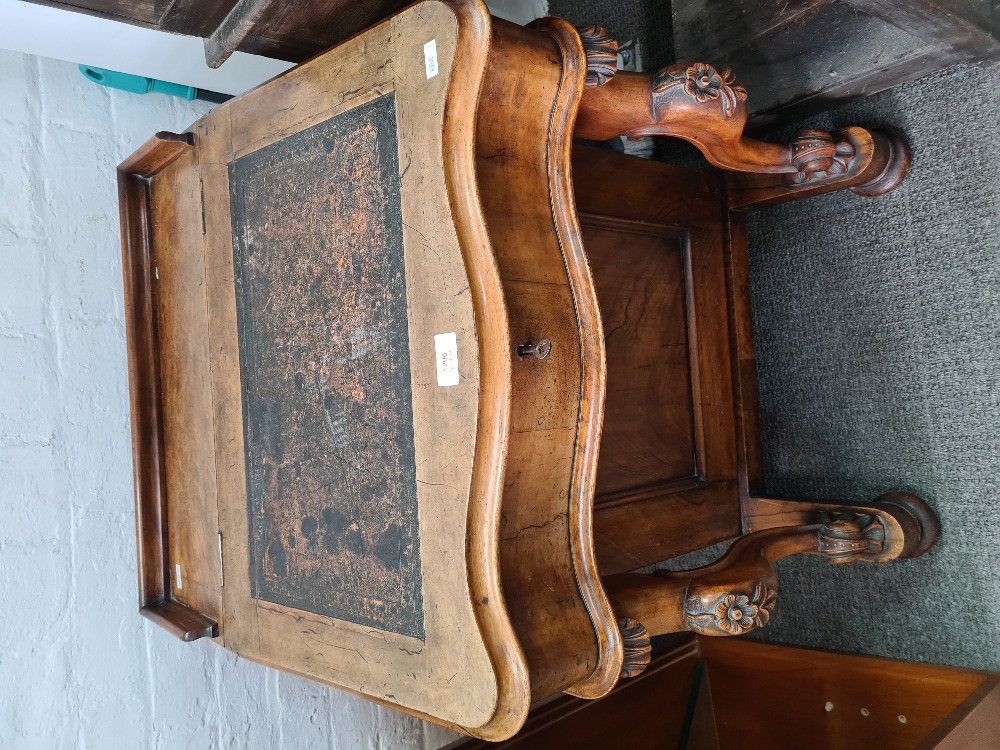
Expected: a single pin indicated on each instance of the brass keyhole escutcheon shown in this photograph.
(541, 350)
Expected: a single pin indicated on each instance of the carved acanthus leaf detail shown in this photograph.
(635, 641)
(701, 82)
(602, 54)
(733, 613)
(819, 156)
(850, 537)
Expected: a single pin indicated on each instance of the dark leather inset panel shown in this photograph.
(325, 364)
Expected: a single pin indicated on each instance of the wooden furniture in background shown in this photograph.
(651, 711)
(415, 383)
(711, 694)
(827, 700)
(286, 31)
(809, 56)
(799, 58)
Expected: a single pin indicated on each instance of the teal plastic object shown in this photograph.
(137, 84)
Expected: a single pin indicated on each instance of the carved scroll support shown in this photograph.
(909, 526)
(602, 54)
(738, 593)
(707, 107)
(635, 645)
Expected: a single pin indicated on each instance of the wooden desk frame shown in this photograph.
(554, 606)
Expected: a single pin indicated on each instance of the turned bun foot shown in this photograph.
(919, 522)
(896, 168)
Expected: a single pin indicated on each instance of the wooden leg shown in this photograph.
(911, 526)
(707, 107)
(737, 594)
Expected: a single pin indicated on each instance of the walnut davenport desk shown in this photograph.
(416, 381)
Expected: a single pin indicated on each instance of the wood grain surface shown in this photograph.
(182, 307)
(709, 693)
(448, 673)
(654, 435)
(465, 669)
(668, 467)
(562, 618)
(975, 723)
(770, 697)
(162, 545)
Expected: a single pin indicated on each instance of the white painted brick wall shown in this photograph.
(78, 667)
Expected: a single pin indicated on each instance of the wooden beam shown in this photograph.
(235, 27)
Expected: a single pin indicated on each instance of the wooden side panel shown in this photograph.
(652, 433)
(707, 28)
(193, 17)
(146, 397)
(145, 403)
(779, 698)
(668, 470)
(974, 724)
(648, 530)
(749, 457)
(824, 33)
(179, 257)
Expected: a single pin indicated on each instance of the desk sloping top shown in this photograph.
(334, 374)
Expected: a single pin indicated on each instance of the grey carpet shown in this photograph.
(877, 326)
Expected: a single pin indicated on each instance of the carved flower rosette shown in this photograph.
(733, 613)
(702, 82)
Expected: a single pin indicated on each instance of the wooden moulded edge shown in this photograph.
(145, 402)
(593, 366)
(493, 424)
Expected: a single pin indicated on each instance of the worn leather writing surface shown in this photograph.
(325, 371)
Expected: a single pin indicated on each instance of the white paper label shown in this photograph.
(180, 581)
(431, 58)
(446, 351)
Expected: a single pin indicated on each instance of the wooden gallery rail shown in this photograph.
(417, 379)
